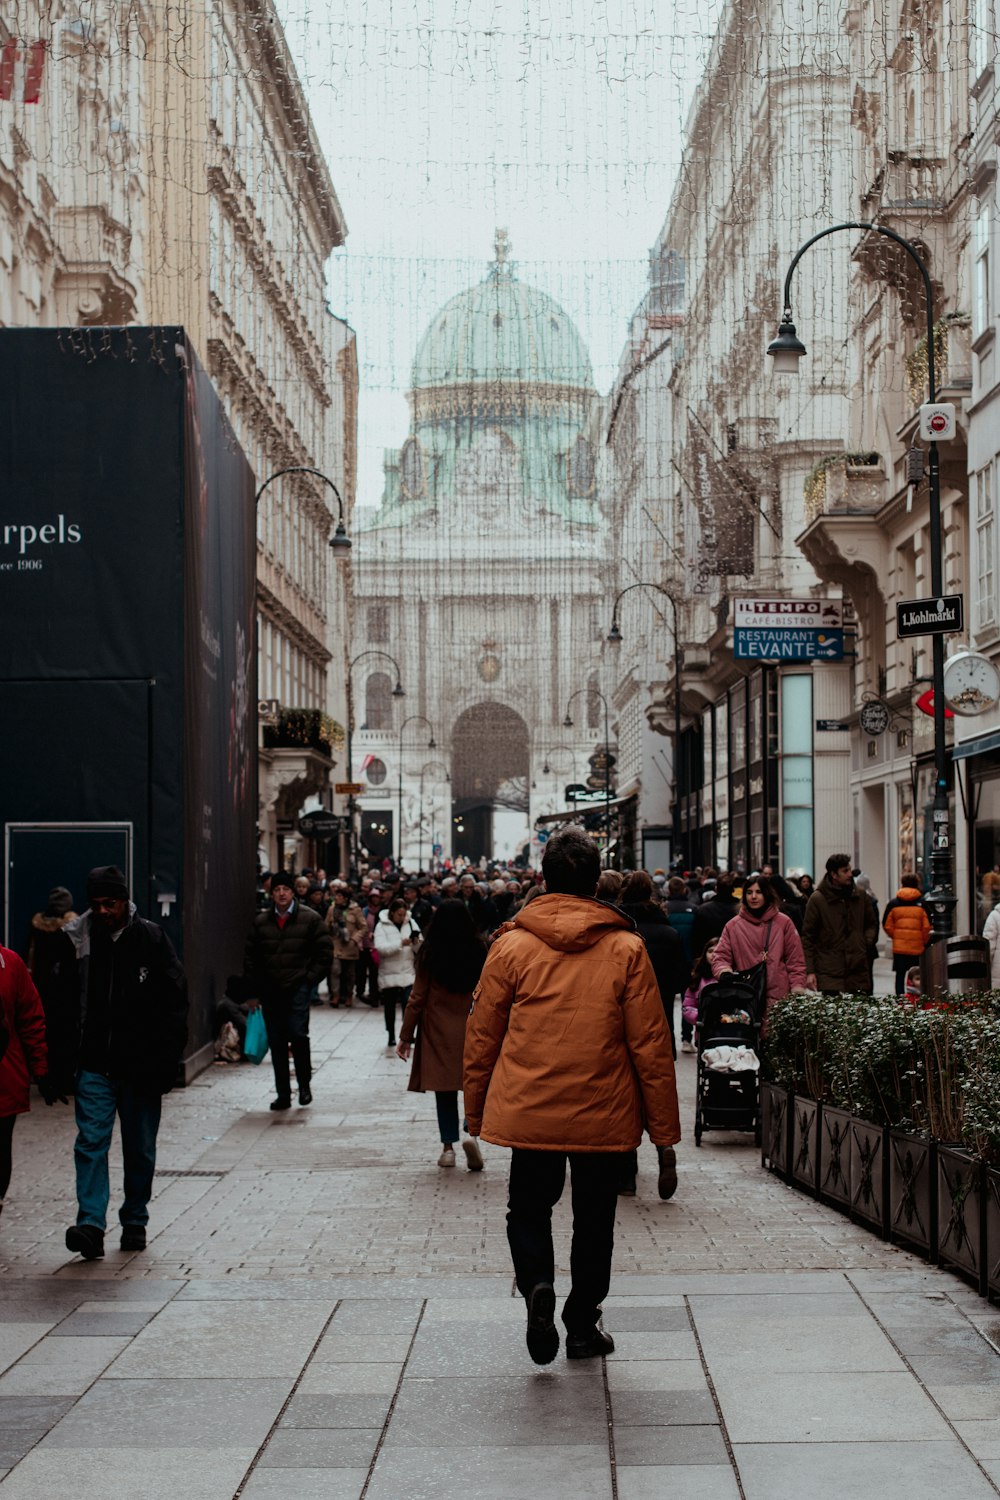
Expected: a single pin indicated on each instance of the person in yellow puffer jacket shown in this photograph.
(906, 922)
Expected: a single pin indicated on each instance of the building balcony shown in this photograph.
(93, 287)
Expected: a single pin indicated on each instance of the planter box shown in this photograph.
(870, 1175)
(805, 1143)
(913, 1192)
(835, 1157)
(991, 1220)
(960, 1212)
(775, 1104)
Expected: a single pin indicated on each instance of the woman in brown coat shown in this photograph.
(448, 968)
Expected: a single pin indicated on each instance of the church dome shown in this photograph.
(502, 332)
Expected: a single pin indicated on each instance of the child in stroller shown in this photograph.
(728, 1041)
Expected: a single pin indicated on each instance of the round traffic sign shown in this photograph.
(938, 422)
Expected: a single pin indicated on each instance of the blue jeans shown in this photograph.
(98, 1100)
(447, 1113)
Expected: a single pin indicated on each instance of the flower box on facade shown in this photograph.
(912, 1165)
(806, 1128)
(775, 1108)
(960, 1212)
(835, 1157)
(991, 1224)
(870, 1174)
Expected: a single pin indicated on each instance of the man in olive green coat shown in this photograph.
(839, 930)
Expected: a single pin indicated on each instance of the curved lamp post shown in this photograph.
(340, 541)
(397, 692)
(787, 350)
(431, 745)
(615, 639)
(568, 724)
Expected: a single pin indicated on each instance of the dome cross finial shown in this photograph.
(501, 244)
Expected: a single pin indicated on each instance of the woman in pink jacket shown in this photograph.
(759, 927)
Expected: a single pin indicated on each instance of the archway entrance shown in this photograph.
(490, 769)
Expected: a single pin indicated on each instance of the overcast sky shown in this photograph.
(559, 120)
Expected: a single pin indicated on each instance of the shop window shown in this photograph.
(986, 546)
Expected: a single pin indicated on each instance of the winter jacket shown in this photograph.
(838, 932)
(907, 923)
(42, 952)
(351, 920)
(145, 1006)
(665, 949)
(397, 969)
(991, 932)
(680, 914)
(710, 919)
(278, 961)
(24, 1023)
(689, 1005)
(438, 1017)
(567, 1046)
(742, 945)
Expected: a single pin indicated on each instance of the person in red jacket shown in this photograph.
(906, 922)
(22, 1054)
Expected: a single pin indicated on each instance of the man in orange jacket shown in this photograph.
(567, 1055)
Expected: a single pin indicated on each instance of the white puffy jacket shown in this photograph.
(397, 969)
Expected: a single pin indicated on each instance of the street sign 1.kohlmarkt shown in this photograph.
(938, 616)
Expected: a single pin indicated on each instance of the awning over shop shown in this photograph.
(585, 807)
(980, 746)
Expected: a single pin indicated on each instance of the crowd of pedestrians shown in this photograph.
(544, 1003)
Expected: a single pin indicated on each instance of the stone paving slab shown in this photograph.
(325, 1313)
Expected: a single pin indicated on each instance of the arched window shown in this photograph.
(378, 701)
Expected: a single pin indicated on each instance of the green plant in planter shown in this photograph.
(981, 1122)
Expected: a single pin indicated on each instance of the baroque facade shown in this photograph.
(481, 578)
(138, 185)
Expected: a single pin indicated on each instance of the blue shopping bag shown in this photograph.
(255, 1043)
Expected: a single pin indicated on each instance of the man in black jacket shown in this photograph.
(713, 914)
(289, 950)
(122, 980)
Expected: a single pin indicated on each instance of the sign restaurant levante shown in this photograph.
(788, 630)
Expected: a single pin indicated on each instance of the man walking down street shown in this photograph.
(567, 1053)
(839, 930)
(127, 989)
(289, 950)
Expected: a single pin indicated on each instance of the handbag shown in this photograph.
(255, 1043)
(756, 976)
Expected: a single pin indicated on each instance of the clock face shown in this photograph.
(971, 683)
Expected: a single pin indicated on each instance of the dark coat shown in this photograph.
(278, 961)
(438, 1017)
(42, 952)
(148, 1001)
(680, 914)
(710, 919)
(665, 949)
(839, 931)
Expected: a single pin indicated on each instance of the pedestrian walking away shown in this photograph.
(447, 971)
(567, 1053)
(22, 1055)
(288, 952)
(122, 975)
(839, 930)
(397, 938)
(908, 925)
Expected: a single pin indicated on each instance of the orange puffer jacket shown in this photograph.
(567, 1047)
(907, 923)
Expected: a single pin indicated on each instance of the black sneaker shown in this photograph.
(305, 1094)
(282, 1102)
(86, 1240)
(666, 1182)
(542, 1335)
(133, 1237)
(589, 1345)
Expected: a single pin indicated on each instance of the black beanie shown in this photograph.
(281, 877)
(60, 902)
(107, 880)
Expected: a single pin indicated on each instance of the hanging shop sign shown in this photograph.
(788, 630)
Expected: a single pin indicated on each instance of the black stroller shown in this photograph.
(728, 1016)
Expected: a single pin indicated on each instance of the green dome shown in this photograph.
(501, 331)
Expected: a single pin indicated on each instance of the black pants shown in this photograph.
(537, 1179)
(398, 995)
(902, 963)
(347, 979)
(287, 1020)
(367, 974)
(6, 1144)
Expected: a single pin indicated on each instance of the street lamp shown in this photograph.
(593, 692)
(786, 351)
(431, 745)
(615, 639)
(340, 541)
(546, 768)
(428, 766)
(397, 692)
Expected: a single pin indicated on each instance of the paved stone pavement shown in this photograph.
(323, 1312)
